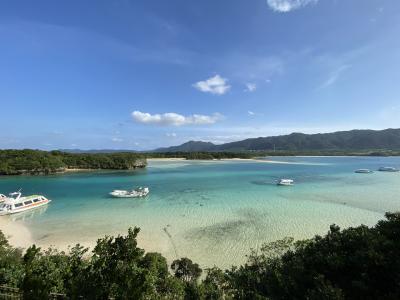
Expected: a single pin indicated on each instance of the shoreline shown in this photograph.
(66, 171)
(79, 170)
(258, 160)
(167, 159)
(17, 234)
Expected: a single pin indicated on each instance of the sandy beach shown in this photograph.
(17, 234)
(166, 159)
(179, 159)
(262, 161)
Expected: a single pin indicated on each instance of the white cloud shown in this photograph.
(251, 87)
(334, 76)
(216, 85)
(288, 5)
(170, 134)
(253, 114)
(174, 119)
(117, 140)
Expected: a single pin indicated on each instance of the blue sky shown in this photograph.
(125, 74)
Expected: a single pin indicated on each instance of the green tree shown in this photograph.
(74, 278)
(44, 273)
(11, 264)
(117, 269)
(186, 270)
(216, 285)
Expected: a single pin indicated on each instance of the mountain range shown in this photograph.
(388, 139)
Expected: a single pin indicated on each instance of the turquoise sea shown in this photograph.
(211, 211)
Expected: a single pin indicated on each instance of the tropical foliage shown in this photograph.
(354, 263)
(15, 162)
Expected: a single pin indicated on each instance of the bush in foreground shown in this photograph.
(354, 263)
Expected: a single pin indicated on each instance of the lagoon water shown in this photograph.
(211, 211)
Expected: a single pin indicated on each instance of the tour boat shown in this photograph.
(363, 171)
(16, 203)
(286, 182)
(136, 193)
(388, 169)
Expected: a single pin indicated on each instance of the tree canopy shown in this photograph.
(16, 162)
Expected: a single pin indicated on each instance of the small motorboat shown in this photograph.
(363, 171)
(285, 182)
(388, 169)
(16, 203)
(136, 193)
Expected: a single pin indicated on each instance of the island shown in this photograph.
(37, 162)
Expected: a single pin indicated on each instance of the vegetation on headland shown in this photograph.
(17, 162)
(255, 154)
(354, 263)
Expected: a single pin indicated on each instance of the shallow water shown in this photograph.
(212, 212)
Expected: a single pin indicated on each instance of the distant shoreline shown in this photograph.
(167, 159)
(258, 160)
(66, 171)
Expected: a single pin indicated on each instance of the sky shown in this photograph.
(142, 74)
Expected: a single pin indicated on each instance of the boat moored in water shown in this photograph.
(388, 169)
(363, 171)
(16, 203)
(136, 193)
(285, 182)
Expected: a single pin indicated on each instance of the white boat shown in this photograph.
(363, 171)
(136, 193)
(16, 203)
(388, 169)
(285, 182)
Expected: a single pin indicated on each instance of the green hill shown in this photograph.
(388, 139)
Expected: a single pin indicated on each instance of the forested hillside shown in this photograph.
(388, 139)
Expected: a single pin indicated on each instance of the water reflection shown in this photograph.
(28, 215)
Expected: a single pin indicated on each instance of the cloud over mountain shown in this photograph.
(174, 119)
(288, 5)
